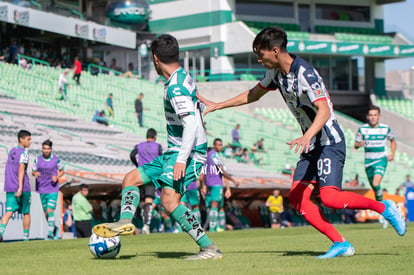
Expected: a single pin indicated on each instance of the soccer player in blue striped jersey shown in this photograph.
(183, 160)
(322, 146)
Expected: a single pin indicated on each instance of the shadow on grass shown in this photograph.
(171, 254)
(122, 257)
(281, 253)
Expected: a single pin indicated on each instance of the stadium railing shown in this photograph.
(34, 60)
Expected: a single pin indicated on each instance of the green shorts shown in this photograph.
(49, 200)
(160, 172)
(192, 197)
(21, 204)
(216, 193)
(377, 168)
(157, 200)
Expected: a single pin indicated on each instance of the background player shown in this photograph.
(322, 146)
(215, 171)
(143, 153)
(17, 185)
(181, 163)
(47, 169)
(373, 137)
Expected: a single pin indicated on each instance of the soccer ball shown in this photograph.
(104, 248)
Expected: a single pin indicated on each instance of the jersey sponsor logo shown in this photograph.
(176, 91)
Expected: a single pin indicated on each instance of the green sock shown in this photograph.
(167, 224)
(130, 201)
(213, 219)
(191, 225)
(51, 223)
(197, 213)
(221, 219)
(2, 229)
(25, 234)
(378, 192)
(178, 226)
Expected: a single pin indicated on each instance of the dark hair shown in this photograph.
(151, 133)
(269, 38)
(373, 107)
(47, 142)
(165, 47)
(23, 134)
(83, 186)
(217, 140)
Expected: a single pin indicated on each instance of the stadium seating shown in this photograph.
(276, 126)
(403, 107)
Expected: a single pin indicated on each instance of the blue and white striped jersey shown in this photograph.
(301, 87)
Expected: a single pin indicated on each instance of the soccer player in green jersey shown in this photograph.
(183, 160)
(373, 136)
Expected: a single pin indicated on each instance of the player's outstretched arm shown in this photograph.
(247, 97)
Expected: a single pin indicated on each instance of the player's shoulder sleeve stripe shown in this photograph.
(266, 88)
(320, 99)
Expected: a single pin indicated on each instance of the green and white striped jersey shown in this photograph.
(375, 140)
(180, 100)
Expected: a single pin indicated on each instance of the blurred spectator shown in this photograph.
(68, 222)
(110, 105)
(129, 73)
(235, 134)
(407, 183)
(397, 192)
(13, 52)
(288, 170)
(275, 204)
(354, 182)
(258, 147)
(77, 70)
(99, 117)
(63, 84)
(23, 63)
(139, 109)
(82, 212)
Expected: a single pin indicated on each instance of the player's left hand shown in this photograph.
(390, 157)
(179, 170)
(302, 144)
(54, 178)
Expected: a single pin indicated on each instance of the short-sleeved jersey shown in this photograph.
(180, 100)
(17, 156)
(47, 168)
(375, 140)
(301, 87)
(275, 203)
(213, 174)
(147, 151)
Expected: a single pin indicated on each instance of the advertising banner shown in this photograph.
(38, 225)
(66, 25)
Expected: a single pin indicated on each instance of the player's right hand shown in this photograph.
(210, 105)
(18, 193)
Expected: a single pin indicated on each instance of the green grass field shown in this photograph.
(255, 251)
